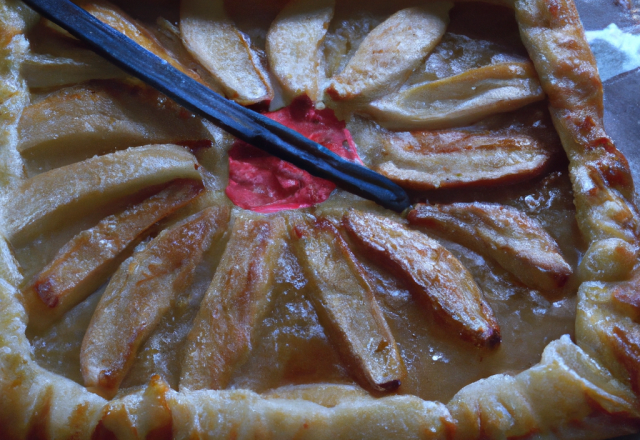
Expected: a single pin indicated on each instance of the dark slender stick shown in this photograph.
(243, 123)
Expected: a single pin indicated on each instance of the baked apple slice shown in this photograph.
(459, 100)
(49, 200)
(224, 51)
(56, 58)
(143, 289)
(435, 277)
(293, 46)
(86, 261)
(237, 298)
(514, 240)
(449, 159)
(120, 21)
(390, 53)
(79, 122)
(44, 71)
(346, 306)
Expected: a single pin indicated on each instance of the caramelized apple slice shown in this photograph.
(459, 100)
(120, 21)
(435, 277)
(214, 40)
(293, 46)
(142, 290)
(514, 240)
(450, 159)
(81, 121)
(391, 52)
(84, 263)
(346, 305)
(237, 298)
(46, 201)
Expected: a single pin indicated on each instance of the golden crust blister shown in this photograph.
(594, 383)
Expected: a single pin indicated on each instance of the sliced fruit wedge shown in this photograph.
(42, 71)
(346, 306)
(49, 200)
(55, 59)
(224, 51)
(459, 100)
(120, 21)
(82, 121)
(436, 278)
(86, 261)
(391, 52)
(293, 48)
(450, 159)
(237, 298)
(517, 242)
(143, 289)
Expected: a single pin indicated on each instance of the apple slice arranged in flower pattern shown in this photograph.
(235, 301)
(86, 261)
(46, 201)
(451, 159)
(141, 291)
(213, 40)
(513, 239)
(89, 119)
(390, 53)
(346, 305)
(436, 278)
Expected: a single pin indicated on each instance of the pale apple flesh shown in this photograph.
(459, 100)
(88, 259)
(219, 46)
(390, 53)
(345, 303)
(237, 298)
(143, 289)
(120, 21)
(293, 47)
(56, 59)
(79, 122)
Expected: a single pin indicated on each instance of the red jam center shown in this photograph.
(263, 183)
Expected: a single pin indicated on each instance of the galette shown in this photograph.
(161, 279)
